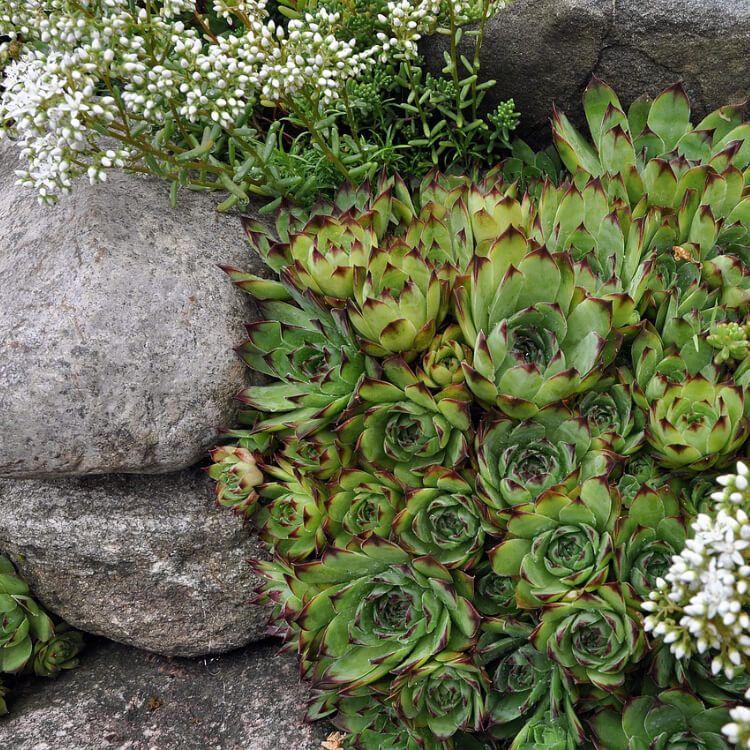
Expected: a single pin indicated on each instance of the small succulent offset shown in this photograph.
(485, 466)
(30, 642)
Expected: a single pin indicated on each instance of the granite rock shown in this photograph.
(123, 699)
(149, 561)
(117, 327)
(544, 52)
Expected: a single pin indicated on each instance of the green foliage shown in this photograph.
(524, 388)
(285, 99)
(30, 643)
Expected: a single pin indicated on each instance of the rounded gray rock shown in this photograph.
(544, 52)
(117, 327)
(123, 699)
(149, 561)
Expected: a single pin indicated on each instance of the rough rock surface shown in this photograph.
(122, 699)
(148, 561)
(544, 51)
(117, 327)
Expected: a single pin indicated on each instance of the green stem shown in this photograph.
(454, 66)
(320, 141)
(476, 63)
(417, 103)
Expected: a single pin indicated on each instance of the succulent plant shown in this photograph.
(443, 519)
(293, 522)
(441, 365)
(58, 653)
(309, 349)
(559, 544)
(364, 503)
(237, 475)
(444, 694)
(518, 461)
(525, 682)
(381, 611)
(613, 419)
(532, 345)
(647, 538)
(22, 620)
(398, 303)
(595, 637)
(494, 594)
(696, 424)
(405, 427)
(673, 720)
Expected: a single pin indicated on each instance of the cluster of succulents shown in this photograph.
(30, 642)
(495, 412)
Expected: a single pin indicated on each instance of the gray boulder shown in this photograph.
(117, 327)
(123, 699)
(543, 52)
(148, 561)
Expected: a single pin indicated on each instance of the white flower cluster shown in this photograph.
(703, 604)
(738, 730)
(130, 71)
(409, 21)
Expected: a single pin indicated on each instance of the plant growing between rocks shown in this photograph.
(30, 642)
(497, 419)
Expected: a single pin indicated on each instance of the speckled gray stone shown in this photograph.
(117, 327)
(544, 51)
(148, 561)
(123, 699)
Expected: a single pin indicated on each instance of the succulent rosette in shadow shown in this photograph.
(237, 475)
(613, 419)
(560, 544)
(696, 424)
(58, 653)
(596, 637)
(311, 353)
(647, 538)
(441, 364)
(519, 460)
(672, 720)
(443, 519)
(399, 301)
(444, 694)
(525, 682)
(363, 503)
(380, 610)
(319, 455)
(546, 732)
(399, 425)
(22, 620)
(533, 345)
(292, 518)
(494, 594)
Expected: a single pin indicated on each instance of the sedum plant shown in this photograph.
(270, 98)
(485, 464)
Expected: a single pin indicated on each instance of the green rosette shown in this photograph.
(518, 461)
(444, 519)
(363, 503)
(672, 720)
(401, 426)
(444, 694)
(60, 652)
(696, 425)
(379, 610)
(595, 637)
(559, 545)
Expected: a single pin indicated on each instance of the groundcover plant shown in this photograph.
(30, 642)
(488, 465)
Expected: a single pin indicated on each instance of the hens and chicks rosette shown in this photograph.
(496, 406)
